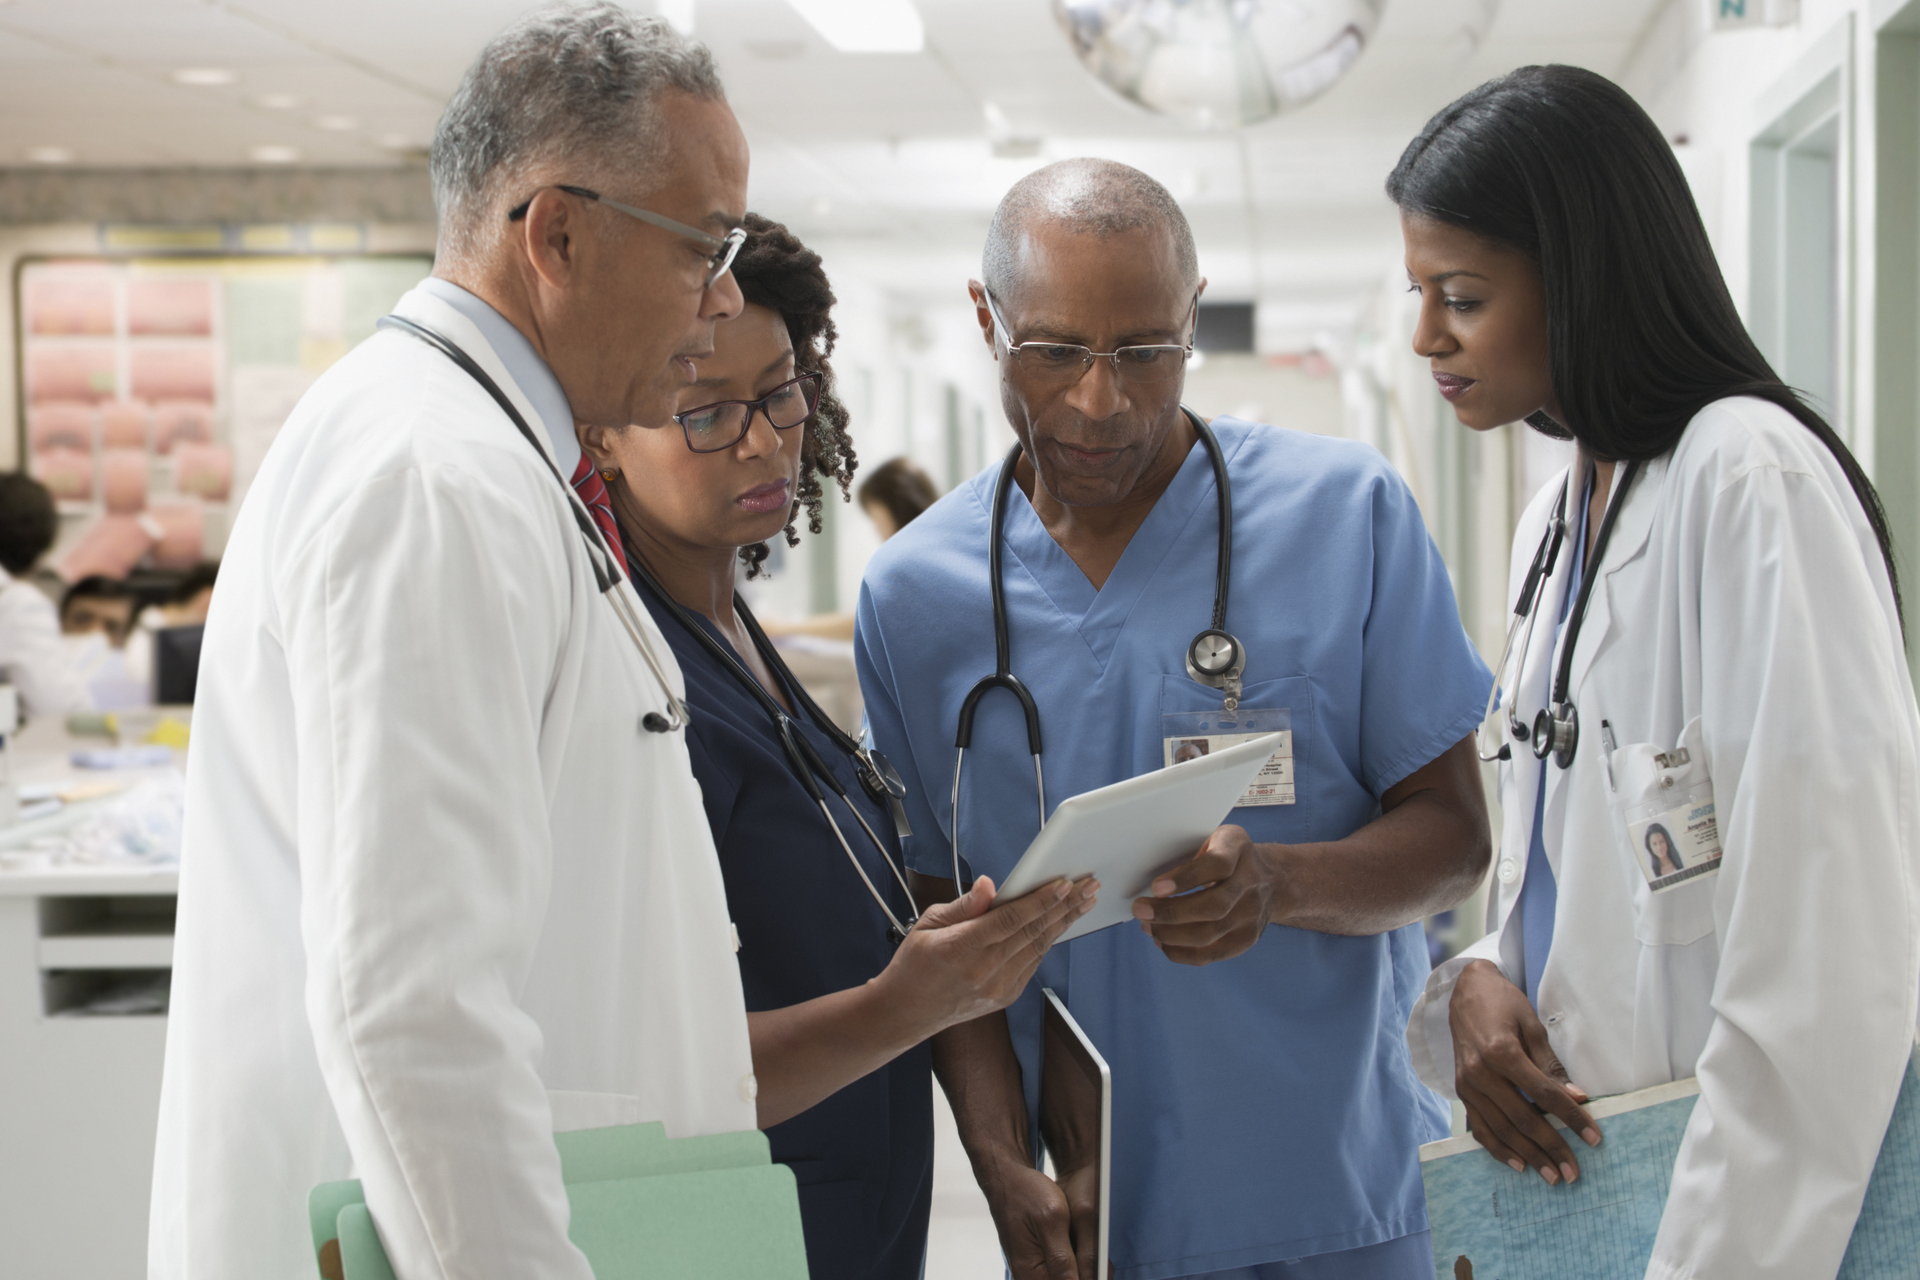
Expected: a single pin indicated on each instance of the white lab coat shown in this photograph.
(441, 894)
(1742, 608)
(32, 658)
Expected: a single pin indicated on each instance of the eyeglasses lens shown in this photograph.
(1054, 362)
(721, 426)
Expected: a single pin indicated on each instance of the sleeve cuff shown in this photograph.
(1429, 1033)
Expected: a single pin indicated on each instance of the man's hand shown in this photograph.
(1240, 892)
(1500, 1053)
(1031, 1213)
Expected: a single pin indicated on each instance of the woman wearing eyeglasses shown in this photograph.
(839, 1006)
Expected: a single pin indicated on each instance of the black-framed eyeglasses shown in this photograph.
(1062, 363)
(722, 249)
(723, 424)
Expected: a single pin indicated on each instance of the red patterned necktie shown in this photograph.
(593, 491)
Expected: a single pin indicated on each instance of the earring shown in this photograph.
(609, 474)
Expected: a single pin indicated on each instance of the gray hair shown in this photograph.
(572, 85)
(1090, 197)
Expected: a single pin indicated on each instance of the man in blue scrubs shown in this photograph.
(1265, 1114)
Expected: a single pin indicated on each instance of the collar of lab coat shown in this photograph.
(421, 306)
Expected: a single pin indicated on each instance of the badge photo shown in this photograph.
(1190, 735)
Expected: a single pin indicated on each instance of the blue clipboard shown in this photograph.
(1490, 1223)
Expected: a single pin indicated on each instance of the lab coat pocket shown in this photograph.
(1667, 829)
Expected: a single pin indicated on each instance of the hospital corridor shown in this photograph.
(956, 639)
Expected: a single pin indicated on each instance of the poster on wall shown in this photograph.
(152, 387)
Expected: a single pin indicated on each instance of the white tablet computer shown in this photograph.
(1076, 1123)
(1127, 833)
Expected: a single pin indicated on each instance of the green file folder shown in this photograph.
(644, 1206)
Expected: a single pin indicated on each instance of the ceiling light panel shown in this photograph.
(205, 77)
(865, 26)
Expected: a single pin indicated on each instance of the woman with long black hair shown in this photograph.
(1713, 644)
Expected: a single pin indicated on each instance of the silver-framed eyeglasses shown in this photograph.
(723, 424)
(721, 249)
(1067, 362)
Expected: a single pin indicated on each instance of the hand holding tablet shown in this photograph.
(1130, 832)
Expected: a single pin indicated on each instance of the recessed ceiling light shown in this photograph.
(279, 101)
(49, 155)
(275, 153)
(204, 77)
(865, 26)
(338, 124)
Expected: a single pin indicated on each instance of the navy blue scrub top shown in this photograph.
(808, 927)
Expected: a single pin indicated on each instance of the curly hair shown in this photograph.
(776, 271)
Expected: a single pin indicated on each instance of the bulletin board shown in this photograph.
(150, 388)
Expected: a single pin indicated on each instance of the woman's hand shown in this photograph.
(1501, 1058)
(963, 960)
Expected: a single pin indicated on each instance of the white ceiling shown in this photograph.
(883, 156)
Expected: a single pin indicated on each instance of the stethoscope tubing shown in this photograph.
(805, 762)
(1559, 711)
(599, 554)
(1003, 677)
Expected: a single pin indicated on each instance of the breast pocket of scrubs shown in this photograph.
(1667, 828)
(1193, 723)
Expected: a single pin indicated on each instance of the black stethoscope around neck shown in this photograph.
(878, 778)
(606, 574)
(1214, 657)
(876, 774)
(1556, 729)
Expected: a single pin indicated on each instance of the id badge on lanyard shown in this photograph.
(1673, 830)
(1189, 734)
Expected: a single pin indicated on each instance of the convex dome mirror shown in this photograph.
(1217, 64)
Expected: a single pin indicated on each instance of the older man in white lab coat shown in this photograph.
(445, 888)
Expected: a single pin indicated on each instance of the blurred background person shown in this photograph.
(32, 659)
(896, 492)
(99, 606)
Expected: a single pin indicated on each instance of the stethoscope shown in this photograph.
(1556, 729)
(876, 774)
(1214, 658)
(606, 574)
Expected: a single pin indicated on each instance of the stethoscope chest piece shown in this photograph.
(1217, 659)
(1556, 732)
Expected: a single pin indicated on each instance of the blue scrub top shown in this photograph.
(863, 1157)
(1264, 1107)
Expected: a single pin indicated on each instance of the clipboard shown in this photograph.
(1491, 1223)
(1076, 1121)
(1131, 831)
